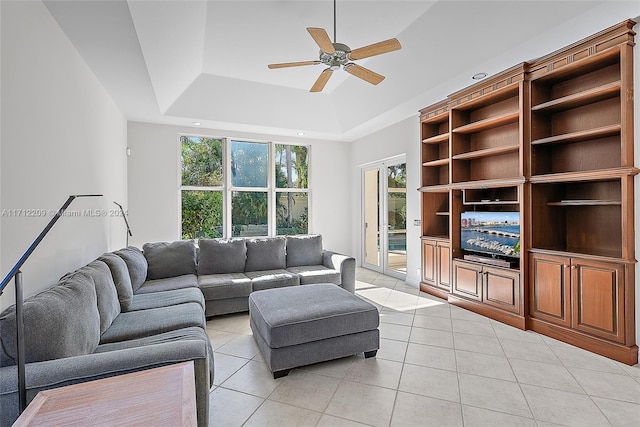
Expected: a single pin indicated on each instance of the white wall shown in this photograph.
(61, 135)
(154, 203)
(401, 138)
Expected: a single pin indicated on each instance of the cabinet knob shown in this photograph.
(573, 267)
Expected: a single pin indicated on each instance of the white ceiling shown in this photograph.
(177, 62)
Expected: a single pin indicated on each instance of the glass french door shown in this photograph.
(384, 190)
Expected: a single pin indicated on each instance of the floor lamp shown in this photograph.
(17, 274)
(125, 221)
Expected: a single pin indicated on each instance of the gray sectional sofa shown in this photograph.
(227, 270)
(131, 310)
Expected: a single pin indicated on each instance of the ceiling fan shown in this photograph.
(336, 55)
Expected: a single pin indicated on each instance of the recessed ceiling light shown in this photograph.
(300, 133)
(479, 76)
(197, 123)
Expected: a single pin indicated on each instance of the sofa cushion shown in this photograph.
(170, 283)
(272, 279)
(170, 259)
(139, 324)
(316, 274)
(224, 286)
(221, 256)
(121, 279)
(304, 250)
(266, 254)
(166, 299)
(62, 321)
(108, 304)
(136, 263)
(192, 333)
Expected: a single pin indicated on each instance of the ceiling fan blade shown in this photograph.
(293, 64)
(322, 39)
(363, 73)
(375, 49)
(322, 80)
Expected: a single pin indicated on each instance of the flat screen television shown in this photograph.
(496, 234)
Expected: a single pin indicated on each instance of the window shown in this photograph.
(292, 196)
(249, 185)
(233, 188)
(202, 187)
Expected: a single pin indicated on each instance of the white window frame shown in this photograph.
(227, 188)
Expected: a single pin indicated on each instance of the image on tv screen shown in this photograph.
(493, 233)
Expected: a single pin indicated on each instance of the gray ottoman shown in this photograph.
(306, 324)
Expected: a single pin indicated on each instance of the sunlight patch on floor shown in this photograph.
(393, 299)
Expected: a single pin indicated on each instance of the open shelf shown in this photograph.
(435, 152)
(582, 135)
(434, 188)
(486, 183)
(485, 137)
(435, 214)
(443, 137)
(488, 123)
(582, 217)
(585, 202)
(438, 162)
(579, 99)
(491, 196)
(493, 151)
(598, 175)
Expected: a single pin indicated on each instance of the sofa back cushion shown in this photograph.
(304, 250)
(266, 254)
(62, 321)
(221, 256)
(136, 264)
(121, 279)
(106, 294)
(170, 259)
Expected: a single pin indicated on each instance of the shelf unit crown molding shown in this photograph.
(582, 51)
(499, 84)
(433, 112)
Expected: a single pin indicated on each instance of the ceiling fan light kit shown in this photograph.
(337, 55)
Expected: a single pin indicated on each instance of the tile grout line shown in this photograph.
(524, 396)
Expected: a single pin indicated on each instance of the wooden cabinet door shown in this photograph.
(429, 257)
(598, 298)
(467, 279)
(501, 289)
(550, 289)
(444, 266)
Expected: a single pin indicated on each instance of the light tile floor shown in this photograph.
(438, 365)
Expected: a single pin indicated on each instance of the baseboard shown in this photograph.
(625, 354)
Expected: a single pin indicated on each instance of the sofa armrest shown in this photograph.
(78, 369)
(346, 265)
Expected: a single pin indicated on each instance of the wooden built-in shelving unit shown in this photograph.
(551, 139)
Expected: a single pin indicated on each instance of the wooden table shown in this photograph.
(156, 397)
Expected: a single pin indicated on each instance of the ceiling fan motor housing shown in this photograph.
(336, 59)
